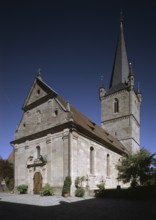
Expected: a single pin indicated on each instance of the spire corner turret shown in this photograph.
(139, 94)
(102, 90)
(131, 77)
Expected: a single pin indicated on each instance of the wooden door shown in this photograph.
(37, 183)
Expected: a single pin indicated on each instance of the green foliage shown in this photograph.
(80, 191)
(47, 190)
(78, 181)
(6, 169)
(139, 192)
(7, 173)
(66, 185)
(22, 189)
(101, 186)
(138, 168)
(100, 192)
(9, 183)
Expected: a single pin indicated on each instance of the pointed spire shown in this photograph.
(120, 70)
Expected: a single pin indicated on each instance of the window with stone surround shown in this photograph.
(38, 151)
(92, 160)
(108, 165)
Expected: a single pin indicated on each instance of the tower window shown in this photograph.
(116, 105)
(92, 160)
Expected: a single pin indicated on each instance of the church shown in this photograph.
(55, 140)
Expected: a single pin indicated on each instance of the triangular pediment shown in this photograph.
(39, 92)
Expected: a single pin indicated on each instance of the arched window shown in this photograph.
(108, 165)
(92, 160)
(116, 105)
(38, 151)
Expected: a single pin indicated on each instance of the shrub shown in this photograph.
(80, 191)
(66, 185)
(100, 192)
(47, 190)
(22, 189)
(78, 181)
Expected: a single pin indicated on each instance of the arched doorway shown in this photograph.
(37, 182)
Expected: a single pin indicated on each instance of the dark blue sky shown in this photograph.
(73, 42)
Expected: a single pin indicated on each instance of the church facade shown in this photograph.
(55, 140)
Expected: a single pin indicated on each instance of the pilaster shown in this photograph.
(66, 153)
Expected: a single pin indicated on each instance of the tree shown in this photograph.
(7, 173)
(138, 168)
(66, 185)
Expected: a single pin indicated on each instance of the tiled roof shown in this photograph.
(86, 125)
(117, 88)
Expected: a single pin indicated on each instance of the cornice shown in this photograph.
(121, 118)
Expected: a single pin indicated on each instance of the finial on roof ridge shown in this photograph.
(68, 107)
(39, 73)
(101, 77)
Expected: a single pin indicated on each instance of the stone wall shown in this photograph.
(66, 154)
(124, 124)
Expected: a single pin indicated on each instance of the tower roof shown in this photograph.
(120, 70)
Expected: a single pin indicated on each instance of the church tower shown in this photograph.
(120, 104)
